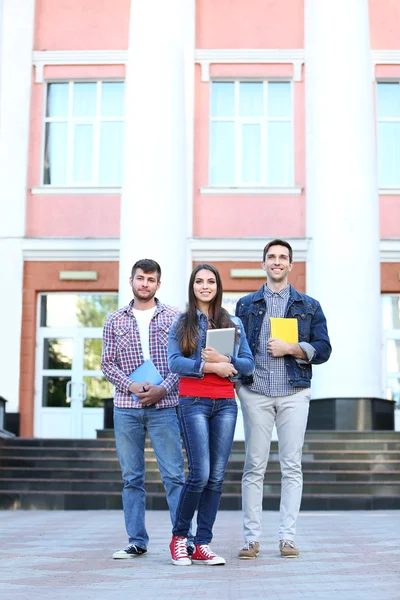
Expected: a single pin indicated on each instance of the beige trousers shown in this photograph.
(260, 413)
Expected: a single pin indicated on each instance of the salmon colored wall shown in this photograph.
(223, 216)
(73, 216)
(384, 18)
(389, 71)
(249, 24)
(245, 285)
(44, 277)
(249, 216)
(390, 278)
(389, 216)
(256, 70)
(82, 24)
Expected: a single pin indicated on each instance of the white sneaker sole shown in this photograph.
(182, 562)
(117, 555)
(213, 562)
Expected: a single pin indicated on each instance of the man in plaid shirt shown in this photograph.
(133, 334)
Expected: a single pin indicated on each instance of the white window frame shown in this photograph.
(394, 188)
(71, 122)
(388, 334)
(238, 184)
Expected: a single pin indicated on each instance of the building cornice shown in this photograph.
(43, 58)
(241, 249)
(204, 56)
(54, 190)
(250, 191)
(293, 56)
(385, 57)
(70, 249)
(207, 249)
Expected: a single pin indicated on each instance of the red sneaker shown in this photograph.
(203, 555)
(179, 553)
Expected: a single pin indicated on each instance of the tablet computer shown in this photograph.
(223, 340)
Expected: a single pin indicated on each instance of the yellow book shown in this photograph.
(284, 329)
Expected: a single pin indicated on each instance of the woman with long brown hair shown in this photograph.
(207, 409)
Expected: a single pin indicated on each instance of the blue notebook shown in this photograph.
(147, 372)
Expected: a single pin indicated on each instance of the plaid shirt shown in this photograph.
(122, 353)
(270, 376)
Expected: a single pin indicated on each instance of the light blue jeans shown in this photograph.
(131, 426)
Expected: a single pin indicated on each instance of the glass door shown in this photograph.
(391, 358)
(70, 387)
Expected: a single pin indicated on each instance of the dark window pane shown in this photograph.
(55, 392)
(55, 154)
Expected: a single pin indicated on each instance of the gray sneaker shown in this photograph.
(249, 550)
(130, 551)
(288, 549)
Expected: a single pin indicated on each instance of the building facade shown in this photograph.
(187, 131)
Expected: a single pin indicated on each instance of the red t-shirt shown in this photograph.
(210, 386)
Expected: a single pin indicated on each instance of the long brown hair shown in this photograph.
(218, 317)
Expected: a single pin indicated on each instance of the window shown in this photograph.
(83, 133)
(388, 112)
(251, 133)
(391, 328)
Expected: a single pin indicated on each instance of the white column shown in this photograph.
(16, 34)
(342, 195)
(157, 160)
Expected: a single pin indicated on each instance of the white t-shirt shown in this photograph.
(143, 318)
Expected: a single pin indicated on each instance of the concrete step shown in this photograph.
(273, 474)
(342, 470)
(49, 500)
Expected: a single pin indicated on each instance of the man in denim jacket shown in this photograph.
(279, 394)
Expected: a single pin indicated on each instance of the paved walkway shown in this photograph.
(57, 555)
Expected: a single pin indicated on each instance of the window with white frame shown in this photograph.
(83, 133)
(251, 133)
(391, 331)
(388, 113)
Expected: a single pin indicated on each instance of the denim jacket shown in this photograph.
(311, 325)
(242, 358)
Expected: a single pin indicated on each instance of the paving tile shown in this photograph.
(62, 555)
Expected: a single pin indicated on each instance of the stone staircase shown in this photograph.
(343, 470)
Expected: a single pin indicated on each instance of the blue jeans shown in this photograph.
(207, 428)
(131, 425)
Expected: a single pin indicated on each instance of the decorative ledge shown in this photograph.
(249, 191)
(389, 191)
(202, 249)
(385, 57)
(42, 58)
(71, 249)
(246, 249)
(52, 190)
(206, 57)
